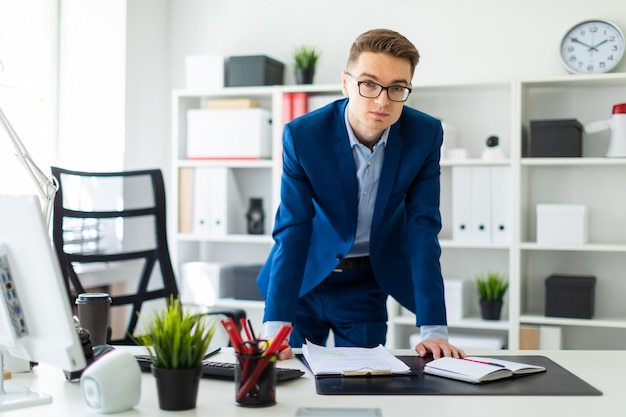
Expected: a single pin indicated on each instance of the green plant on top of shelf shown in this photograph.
(305, 57)
(491, 287)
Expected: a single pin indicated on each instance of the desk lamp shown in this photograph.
(46, 185)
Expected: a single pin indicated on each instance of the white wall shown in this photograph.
(456, 38)
(92, 64)
(28, 75)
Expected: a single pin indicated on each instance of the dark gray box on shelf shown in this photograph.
(244, 279)
(570, 296)
(254, 70)
(555, 138)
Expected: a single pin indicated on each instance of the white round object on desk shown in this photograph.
(112, 383)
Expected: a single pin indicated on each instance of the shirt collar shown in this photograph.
(354, 141)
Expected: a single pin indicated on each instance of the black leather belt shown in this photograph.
(353, 263)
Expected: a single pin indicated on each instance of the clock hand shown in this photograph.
(582, 43)
(596, 46)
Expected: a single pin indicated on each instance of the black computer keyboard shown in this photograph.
(224, 370)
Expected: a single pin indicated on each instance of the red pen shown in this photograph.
(484, 362)
(234, 335)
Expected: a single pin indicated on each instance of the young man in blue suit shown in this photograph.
(359, 213)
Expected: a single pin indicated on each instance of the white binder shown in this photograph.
(481, 199)
(481, 204)
(218, 207)
(500, 204)
(461, 203)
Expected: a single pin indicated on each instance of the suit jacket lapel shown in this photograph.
(393, 151)
(345, 161)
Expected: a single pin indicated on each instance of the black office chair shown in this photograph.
(114, 223)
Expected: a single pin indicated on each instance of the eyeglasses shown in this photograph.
(370, 89)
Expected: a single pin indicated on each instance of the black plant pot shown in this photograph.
(305, 75)
(177, 388)
(490, 310)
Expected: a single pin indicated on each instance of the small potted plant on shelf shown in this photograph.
(305, 60)
(176, 341)
(491, 290)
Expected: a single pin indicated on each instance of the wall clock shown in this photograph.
(592, 47)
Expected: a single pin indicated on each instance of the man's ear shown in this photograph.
(344, 83)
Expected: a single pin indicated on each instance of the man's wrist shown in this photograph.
(433, 331)
(270, 328)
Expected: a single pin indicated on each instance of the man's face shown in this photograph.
(368, 117)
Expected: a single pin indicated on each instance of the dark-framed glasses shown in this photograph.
(370, 89)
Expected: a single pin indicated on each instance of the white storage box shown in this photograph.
(562, 224)
(203, 283)
(204, 72)
(229, 133)
(458, 298)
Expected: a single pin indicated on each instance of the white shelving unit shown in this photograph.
(477, 110)
(256, 178)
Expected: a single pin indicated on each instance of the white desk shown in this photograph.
(604, 370)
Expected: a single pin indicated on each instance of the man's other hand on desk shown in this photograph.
(438, 348)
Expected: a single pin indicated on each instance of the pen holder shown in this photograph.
(255, 380)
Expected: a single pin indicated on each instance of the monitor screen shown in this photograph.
(36, 321)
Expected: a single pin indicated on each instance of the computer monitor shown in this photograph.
(36, 322)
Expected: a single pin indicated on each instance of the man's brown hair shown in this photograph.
(386, 41)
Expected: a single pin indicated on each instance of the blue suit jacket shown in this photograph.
(315, 223)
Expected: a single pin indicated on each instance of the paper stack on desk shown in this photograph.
(352, 361)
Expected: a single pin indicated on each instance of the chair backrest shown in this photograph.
(113, 224)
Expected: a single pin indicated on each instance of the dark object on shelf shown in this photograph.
(244, 281)
(490, 310)
(254, 70)
(570, 296)
(305, 75)
(256, 217)
(555, 138)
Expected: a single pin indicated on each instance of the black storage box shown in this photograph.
(570, 296)
(254, 70)
(555, 138)
(244, 281)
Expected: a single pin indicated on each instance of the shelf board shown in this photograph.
(228, 163)
(577, 80)
(239, 238)
(573, 162)
(451, 244)
(618, 323)
(474, 162)
(245, 304)
(466, 323)
(590, 247)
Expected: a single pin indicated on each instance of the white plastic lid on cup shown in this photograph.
(93, 298)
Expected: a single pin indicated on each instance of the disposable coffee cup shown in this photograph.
(93, 314)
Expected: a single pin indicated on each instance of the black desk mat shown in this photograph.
(556, 381)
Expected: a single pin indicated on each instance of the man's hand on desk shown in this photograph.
(438, 348)
(285, 353)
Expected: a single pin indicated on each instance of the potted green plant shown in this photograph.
(177, 341)
(305, 61)
(491, 290)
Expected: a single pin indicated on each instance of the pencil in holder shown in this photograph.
(255, 380)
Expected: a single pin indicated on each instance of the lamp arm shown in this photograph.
(46, 185)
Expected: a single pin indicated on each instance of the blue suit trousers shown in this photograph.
(350, 303)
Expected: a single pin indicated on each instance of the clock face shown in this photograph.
(592, 47)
